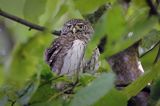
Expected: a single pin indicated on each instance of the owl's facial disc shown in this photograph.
(74, 28)
(79, 27)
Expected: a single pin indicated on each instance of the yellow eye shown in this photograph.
(79, 27)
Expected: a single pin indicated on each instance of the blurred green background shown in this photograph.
(23, 69)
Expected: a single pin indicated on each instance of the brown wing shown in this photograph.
(54, 55)
(52, 51)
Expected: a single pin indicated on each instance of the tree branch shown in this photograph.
(26, 23)
(94, 17)
(91, 17)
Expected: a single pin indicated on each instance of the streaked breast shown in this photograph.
(73, 58)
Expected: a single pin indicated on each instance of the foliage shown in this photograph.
(101, 85)
(25, 79)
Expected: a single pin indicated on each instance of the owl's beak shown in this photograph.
(74, 30)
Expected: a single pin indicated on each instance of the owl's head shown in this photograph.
(77, 26)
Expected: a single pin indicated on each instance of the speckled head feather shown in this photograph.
(80, 25)
(75, 21)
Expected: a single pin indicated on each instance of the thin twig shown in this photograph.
(19, 96)
(62, 92)
(26, 23)
(50, 80)
(12, 102)
(150, 49)
(25, 90)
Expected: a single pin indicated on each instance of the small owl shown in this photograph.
(66, 53)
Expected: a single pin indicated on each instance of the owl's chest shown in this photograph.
(77, 48)
(73, 57)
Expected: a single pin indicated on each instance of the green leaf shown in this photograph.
(33, 9)
(148, 59)
(134, 33)
(42, 94)
(115, 28)
(110, 26)
(112, 96)
(134, 88)
(26, 61)
(53, 9)
(115, 23)
(86, 78)
(3, 99)
(150, 39)
(1, 75)
(94, 91)
(155, 93)
(52, 103)
(137, 25)
(158, 103)
(14, 7)
(25, 94)
(91, 5)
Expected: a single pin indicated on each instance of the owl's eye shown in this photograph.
(79, 27)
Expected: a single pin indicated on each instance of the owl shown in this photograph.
(66, 53)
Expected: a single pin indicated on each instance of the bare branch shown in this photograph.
(94, 17)
(91, 17)
(26, 23)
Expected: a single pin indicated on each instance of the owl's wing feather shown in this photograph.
(51, 52)
(53, 56)
(55, 53)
